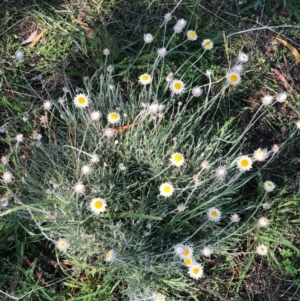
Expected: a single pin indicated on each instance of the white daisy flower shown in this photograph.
(189, 261)
(192, 35)
(267, 100)
(7, 177)
(243, 57)
(98, 205)
(148, 38)
(207, 251)
(207, 44)
(81, 101)
(233, 78)
(214, 214)
(113, 117)
(196, 271)
(269, 186)
(145, 79)
(177, 86)
(166, 189)
(110, 256)
(261, 154)
(158, 297)
(262, 250)
(244, 163)
(187, 252)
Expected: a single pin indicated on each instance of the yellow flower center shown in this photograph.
(177, 86)
(177, 158)
(214, 213)
(81, 100)
(63, 244)
(192, 34)
(98, 204)
(160, 298)
(145, 77)
(233, 78)
(196, 270)
(244, 163)
(186, 252)
(207, 44)
(107, 255)
(113, 116)
(188, 261)
(262, 249)
(167, 189)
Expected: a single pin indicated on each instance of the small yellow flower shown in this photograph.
(262, 250)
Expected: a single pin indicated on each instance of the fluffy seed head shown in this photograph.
(62, 245)
(281, 97)
(79, 188)
(235, 218)
(95, 115)
(148, 38)
(197, 91)
(261, 154)
(207, 251)
(7, 177)
(177, 159)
